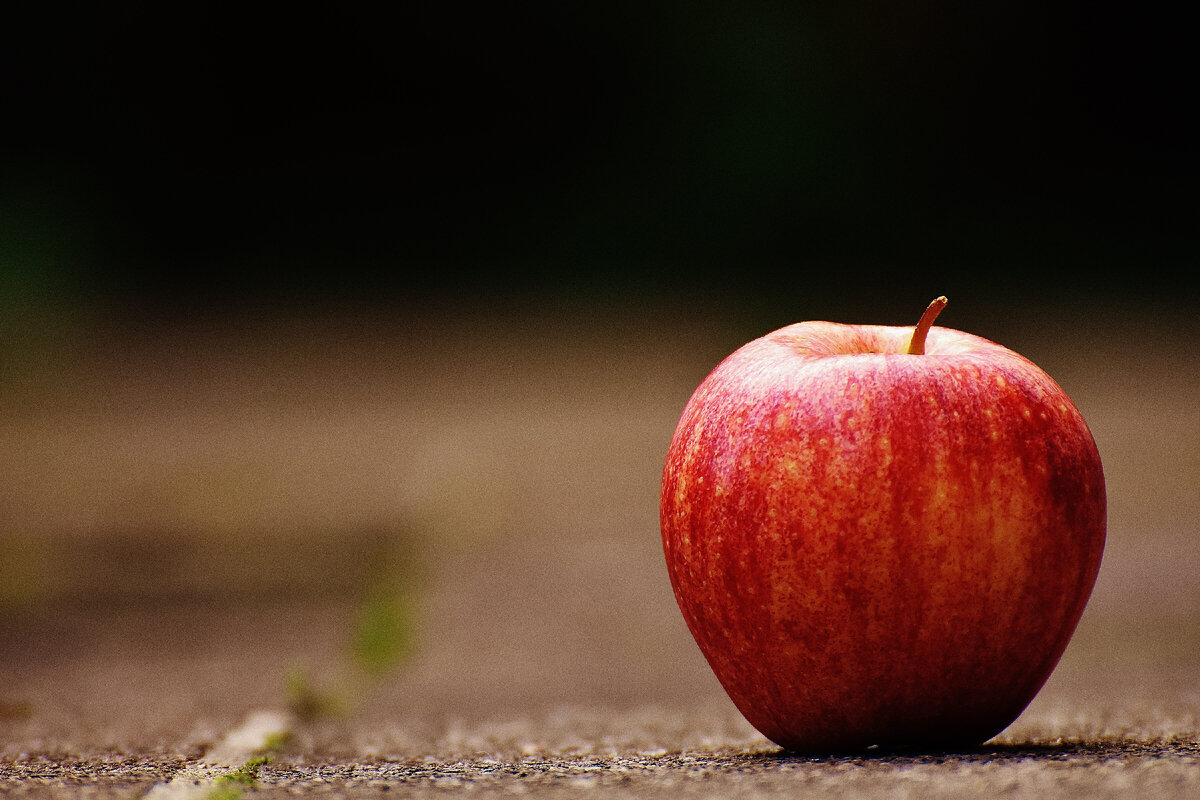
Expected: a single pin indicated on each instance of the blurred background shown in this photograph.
(288, 296)
(219, 155)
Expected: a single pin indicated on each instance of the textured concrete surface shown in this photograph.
(189, 515)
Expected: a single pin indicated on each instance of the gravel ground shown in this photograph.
(1100, 768)
(190, 516)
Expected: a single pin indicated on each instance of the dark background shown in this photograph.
(869, 153)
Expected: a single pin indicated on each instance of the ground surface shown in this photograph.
(189, 517)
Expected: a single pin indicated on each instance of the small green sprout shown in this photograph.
(382, 637)
(231, 785)
(384, 633)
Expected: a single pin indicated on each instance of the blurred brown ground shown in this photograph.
(188, 513)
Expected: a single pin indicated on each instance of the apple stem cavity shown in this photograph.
(916, 347)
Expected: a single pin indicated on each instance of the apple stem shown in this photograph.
(917, 346)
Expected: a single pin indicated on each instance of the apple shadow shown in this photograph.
(1086, 750)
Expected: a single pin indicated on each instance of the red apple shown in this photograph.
(881, 536)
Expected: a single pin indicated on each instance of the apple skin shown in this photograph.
(878, 549)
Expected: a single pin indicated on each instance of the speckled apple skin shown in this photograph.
(873, 548)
